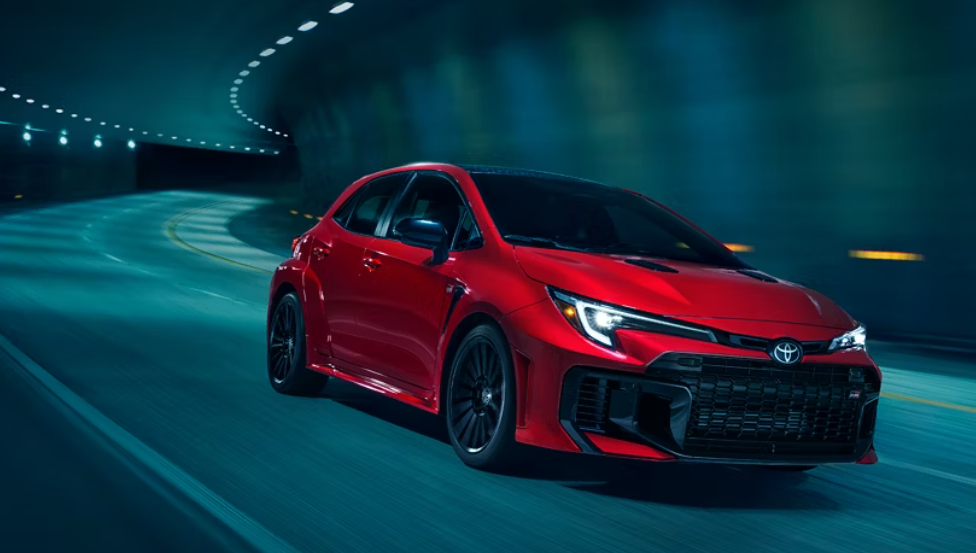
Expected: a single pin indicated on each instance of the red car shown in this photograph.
(533, 308)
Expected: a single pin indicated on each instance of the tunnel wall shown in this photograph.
(803, 129)
(44, 170)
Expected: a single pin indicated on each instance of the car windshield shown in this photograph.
(581, 215)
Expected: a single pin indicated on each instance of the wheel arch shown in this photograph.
(461, 330)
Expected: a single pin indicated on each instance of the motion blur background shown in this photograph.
(804, 131)
(145, 144)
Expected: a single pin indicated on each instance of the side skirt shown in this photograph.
(376, 385)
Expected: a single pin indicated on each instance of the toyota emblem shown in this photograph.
(786, 352)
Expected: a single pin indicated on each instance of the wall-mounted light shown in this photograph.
(98, 141)
(63, 139)
(26, 136)
(265, 53)
(238, 81)
(254, 63)
(131, 144)
(59, 110)
(244, 73)
(283, 40)
(341, 7)
(30, 100)
(308, 26)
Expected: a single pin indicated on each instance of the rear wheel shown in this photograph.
(481, 401)
(286, 351)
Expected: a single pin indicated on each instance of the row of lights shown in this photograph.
(28, 137)
(341, 7)
(64, 140)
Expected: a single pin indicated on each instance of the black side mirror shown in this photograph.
(424, 234)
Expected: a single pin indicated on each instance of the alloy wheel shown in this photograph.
(477, 397)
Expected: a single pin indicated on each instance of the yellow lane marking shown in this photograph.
(942, 404)
(171, 232)
(887, 256)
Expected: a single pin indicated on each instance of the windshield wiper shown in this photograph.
(540, 242)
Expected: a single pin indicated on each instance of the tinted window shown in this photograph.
(467, 232)
(433, 198)
(593, 217)
(369, 204)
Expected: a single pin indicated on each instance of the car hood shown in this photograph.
(695, 290)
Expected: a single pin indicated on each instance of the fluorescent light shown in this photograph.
(98, 142)
(278, 133)
(30, 100)
(45, 106)
(3, 89)
(308, 26)
(189, 140)
(16, 96)
(202, 142)
(117, 126)
(145, 132)
(240, 111)
(63, 140)
(131, 144)
(238, 81)
(256, 63)
(233, 101)
(26, 136)
(283, 40)
(285, 135)
(174, 138)
(233, 95)
(88, 119)
(248, 148)
(131, 129)
(234, 89)
(231, 146)
(59, 110)
(217, 144)
(267, 52)
(102, 123)
(262, 151)
(339, 8)
(276, 152)
(263, 127)
(249, 119)
(160, 134)
(244, 73)
(74, 115)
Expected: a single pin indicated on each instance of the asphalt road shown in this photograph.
(116, 299)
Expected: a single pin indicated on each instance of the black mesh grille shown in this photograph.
(593, 404)
(743, 405)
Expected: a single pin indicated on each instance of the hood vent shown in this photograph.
(757, 275)
(651, 265)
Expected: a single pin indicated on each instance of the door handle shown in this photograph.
(321, 251)
(372, 264)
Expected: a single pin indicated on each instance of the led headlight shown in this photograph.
(851, 339)
(599, 321)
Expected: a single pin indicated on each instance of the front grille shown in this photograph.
(593, 404)
(744, 406)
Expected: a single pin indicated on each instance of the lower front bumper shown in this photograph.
(688, 407)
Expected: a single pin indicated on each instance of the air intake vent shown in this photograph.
(593, 404)
(757, 275)
(651, 265)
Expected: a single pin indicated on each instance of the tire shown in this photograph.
(480, 424)
(286, 351)
(790, 468)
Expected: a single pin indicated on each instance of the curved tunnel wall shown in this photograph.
(803, 129)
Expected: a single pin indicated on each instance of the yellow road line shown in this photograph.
(171, 232)
(942, 404)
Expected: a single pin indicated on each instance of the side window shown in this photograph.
(433, 198)
(467, 234)
(367, 206)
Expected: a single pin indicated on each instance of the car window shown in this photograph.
(369, 204)
(432, 198)
(588, 216)
(467, 233)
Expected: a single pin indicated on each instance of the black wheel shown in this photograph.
(286, 351)
(481, 401)
(790, 468)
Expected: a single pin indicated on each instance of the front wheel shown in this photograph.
(481, 401)
(286, 351)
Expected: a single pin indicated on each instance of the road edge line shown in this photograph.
(172, 224)
(246, 528)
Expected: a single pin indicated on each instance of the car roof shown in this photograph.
(492, 170)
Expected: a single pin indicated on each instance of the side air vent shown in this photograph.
(651, 265)
(757, 275)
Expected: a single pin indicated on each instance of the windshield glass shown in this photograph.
(580, 215)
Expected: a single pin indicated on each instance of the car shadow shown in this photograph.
(686, 485)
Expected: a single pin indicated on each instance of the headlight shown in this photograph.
(852, 339)
(599, 321)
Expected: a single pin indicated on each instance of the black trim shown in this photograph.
(756, 275)
(656, 409)
(647, 264)
(456, 296)
(382, 227)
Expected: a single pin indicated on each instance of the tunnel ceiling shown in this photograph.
(167, 69)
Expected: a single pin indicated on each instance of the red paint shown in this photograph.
(612, 446)
(870, 458)
(375, 314)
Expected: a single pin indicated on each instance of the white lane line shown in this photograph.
(247, 528)
(931, 472)
(113, 258)
(214, 294)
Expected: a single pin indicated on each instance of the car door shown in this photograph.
(336, 260)
(409, 296)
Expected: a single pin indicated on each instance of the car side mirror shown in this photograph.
(424, 233)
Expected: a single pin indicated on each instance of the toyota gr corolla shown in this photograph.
(532, 308)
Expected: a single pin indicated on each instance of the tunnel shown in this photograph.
(167, 169)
